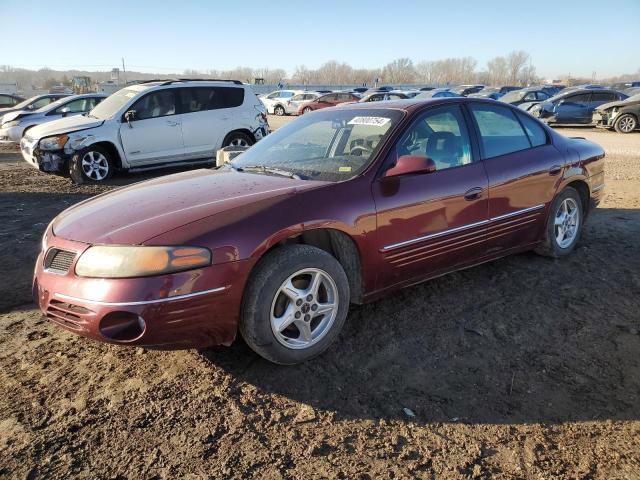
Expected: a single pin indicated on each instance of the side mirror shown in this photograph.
(415, 164)
(65, 111)
(129, 116)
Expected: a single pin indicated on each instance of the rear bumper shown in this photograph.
(192, 309)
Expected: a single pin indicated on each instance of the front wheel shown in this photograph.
(295, 304)
(625, 123)
(91, 165)
(564, 224)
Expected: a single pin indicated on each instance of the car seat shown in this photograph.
(444, 149)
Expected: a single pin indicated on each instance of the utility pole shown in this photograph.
(124, 73)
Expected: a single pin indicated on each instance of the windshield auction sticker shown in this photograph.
(374, 121)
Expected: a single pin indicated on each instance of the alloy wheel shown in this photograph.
(95, 165)
(304, 308)
(626, 124)
(567, 222)
(238, 142)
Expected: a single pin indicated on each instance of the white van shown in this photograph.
(149, 125)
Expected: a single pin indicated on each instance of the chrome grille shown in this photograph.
(58, 261)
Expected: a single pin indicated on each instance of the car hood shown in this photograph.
(64, 125)
(7, 117)
(618, 103)
(140, 212)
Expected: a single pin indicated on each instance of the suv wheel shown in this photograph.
(91, 165)
(626, 123)
(237, 139)
(564, 224)
(295, 304)
(279, 110)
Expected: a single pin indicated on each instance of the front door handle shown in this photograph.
(473, 193)
(172, 123)
(555, 170)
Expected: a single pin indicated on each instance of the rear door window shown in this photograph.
(500, 130)
(602, 97)
(200, 99)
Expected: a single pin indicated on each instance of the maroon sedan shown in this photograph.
(328, 100)
(337, 207)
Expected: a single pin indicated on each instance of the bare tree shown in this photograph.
(516, 61)
(399, 71)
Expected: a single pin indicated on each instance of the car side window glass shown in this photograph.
(530, 96)
(500, 131)
(41, 103)
(602, 97)
(156, 104)
(535, 132)
(5, 101)
(441, 135)
(581, 99)
(77, 106)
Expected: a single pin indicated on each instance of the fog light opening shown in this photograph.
(122, 326)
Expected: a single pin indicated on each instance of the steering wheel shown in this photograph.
(359, 148)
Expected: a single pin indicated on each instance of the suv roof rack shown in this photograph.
(178, 80)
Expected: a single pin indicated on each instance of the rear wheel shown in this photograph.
(625, 123)
(279, 110)
(91, 165)
(307, 110)
(564, 224)
(237, 139)
(295, 304)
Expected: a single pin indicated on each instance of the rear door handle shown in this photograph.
(172, 123)
(555, 170)
(473, 193)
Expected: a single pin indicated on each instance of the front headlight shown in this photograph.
(53, 143)
(125, 262)
(13, 123)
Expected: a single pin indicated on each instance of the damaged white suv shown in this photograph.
(150, 125)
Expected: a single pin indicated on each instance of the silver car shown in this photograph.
(13, 125)
(291, 105)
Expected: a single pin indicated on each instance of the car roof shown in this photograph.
(411, 104)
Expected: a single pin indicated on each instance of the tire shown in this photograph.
(93, 164)
(625, 123)
(551, 245)
(307, 110)
(265, 306)
(279, 110)
(237, 139)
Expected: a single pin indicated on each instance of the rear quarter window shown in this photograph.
(535, 132)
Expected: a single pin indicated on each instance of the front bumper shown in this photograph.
(602, 120)
(192, 309)
(50, 161)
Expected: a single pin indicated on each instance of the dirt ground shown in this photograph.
(521, 368)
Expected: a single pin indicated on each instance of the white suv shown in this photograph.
(275, 102)
(150, 125)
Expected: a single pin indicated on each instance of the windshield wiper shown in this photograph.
(264, 169)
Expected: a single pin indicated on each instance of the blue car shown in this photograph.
(438, 93)
(574, 106)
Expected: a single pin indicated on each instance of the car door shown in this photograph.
(524, 171)
(206, 118)
(154, 133)
(574, 109)
(431, 223)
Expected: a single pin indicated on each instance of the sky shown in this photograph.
(563, 37)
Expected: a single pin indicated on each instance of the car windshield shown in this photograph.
(25, 103)
(331, 145)
(53, 105)
(113, 103)
(512, 96)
